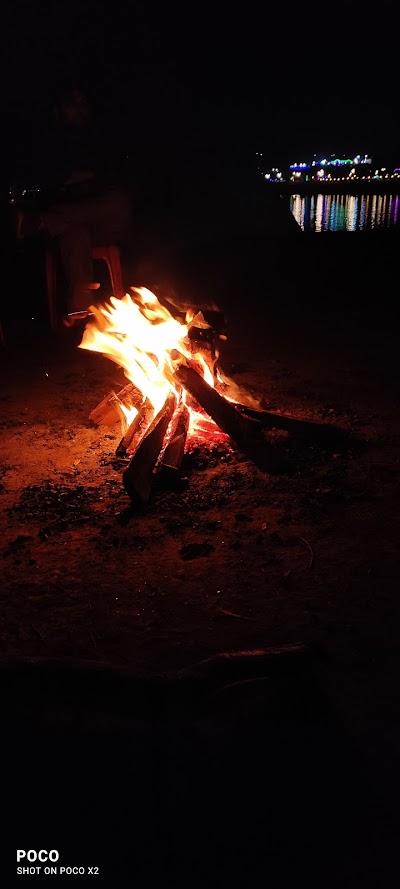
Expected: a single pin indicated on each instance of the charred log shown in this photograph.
(138, 476)
(323, 433)
(246, 432)
(135, 429)
(173, 454)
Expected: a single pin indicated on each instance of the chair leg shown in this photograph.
(51, 289)
(114, 267)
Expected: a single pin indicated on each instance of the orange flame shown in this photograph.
(140, 335)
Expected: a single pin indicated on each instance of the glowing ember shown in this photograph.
(142, 337)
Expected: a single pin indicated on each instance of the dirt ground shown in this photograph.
(238, 559)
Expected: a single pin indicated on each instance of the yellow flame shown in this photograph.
(142, 337)
(129, 412)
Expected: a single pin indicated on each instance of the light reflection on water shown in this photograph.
(345, 212)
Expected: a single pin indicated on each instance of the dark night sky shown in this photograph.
(287, 86)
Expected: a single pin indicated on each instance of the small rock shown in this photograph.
(195, 550)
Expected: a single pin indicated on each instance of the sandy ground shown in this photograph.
(238, 559)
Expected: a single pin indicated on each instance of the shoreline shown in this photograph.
(391, 186)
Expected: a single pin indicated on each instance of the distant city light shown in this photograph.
(325, 167)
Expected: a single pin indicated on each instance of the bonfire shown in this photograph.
(176, 390)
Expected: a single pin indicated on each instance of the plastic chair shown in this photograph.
(110, 255)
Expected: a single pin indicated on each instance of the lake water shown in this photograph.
(345, 212)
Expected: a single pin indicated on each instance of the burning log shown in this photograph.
(138, 476)
(318, 432)
(204, 340)
(173, 454)
(136, 427)
(106, 413)
(245, 431)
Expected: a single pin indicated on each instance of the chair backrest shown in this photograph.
(109, 254)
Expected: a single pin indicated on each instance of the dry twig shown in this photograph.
(233, 614)
(310, 550)
(39, 634)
